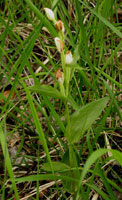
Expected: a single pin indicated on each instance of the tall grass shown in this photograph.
(60, 123)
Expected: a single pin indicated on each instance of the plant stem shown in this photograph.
(67, 80)
(66, 71)
(63, 63)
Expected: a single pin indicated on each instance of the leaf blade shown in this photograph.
(46, 90)
(83, 118)
(57, 166)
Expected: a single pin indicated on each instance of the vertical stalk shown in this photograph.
(68, 124)
(63, 64)
(66, 71)
(67, 80)
(64, 88)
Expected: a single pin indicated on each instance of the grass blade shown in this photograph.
(8, 161)
(38, 126)
(107, 23)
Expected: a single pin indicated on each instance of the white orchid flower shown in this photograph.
(50, 14)
(59, 26)
(68, 58)
(59, 44)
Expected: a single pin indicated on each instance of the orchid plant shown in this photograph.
(81, 120)
(57, 134)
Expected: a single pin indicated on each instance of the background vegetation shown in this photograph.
(53, 146)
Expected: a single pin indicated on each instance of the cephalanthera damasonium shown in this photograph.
(59, 26)
(59, 44)
(68, 58)
(50, 14)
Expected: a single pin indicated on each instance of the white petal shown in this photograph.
(68, 58)
(59, 44)
(50, 14)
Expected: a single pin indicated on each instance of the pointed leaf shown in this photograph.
(57, 166)
(83, 118)
(117, 155)
(47, 90)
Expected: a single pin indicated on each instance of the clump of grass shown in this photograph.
(61, 133)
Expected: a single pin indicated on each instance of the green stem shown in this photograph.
(63, 63)
(68, 125)
(71, 166)
(62, 89)
(68, 70)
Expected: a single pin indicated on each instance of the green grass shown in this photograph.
(60, 139)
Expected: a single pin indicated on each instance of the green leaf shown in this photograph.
(117, 155)
(83, 118)
(119, 85)
(76, 55)
(106, 184)
(71, 158)
(8, 160)
(93, 157)
(40, 177)
(57, 166)
(46, 90)
(106, 22)
(38, 125)
(99, 191)
(66, 170)
(22, 62)
(97, 154)
(112, 96)
(114, 185)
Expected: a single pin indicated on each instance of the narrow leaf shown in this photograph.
(46, 90)
(8, 161)
(117, 155)
(106, 22)
(39, 177)
(113, 98)
(38, 125)
(94, 156)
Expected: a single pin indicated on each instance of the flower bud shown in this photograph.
(50, 14)
(60, 76)
(59, 44)
(68, 58)
(59, 26)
